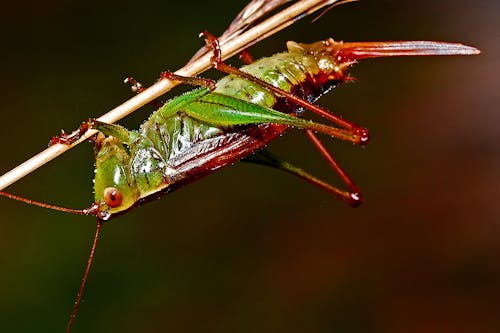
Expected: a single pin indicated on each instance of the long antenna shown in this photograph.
(92, 210)
(84, 281)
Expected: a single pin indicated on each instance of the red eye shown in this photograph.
(112, 197)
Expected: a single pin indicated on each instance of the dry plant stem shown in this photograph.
(279, 21)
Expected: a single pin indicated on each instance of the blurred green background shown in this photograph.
(250, 249)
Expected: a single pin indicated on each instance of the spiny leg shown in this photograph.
(264, 157)
(68, 139)
(357, 131)
(225, 110)
(138, 87)
(354, 190)
(115, 130)
(194, 81)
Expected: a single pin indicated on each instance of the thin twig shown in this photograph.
(229, 48)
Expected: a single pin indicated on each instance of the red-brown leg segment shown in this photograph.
(68, 139)
(194, 81)
(354, 195)
(264, 157)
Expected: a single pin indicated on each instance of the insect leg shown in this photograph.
(225, 68)
(355, 192)
(224, 110)
(138, 87)
(194, 81)
(264, 157)
(121, 133)
(68, 139)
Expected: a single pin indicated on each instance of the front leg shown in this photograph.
(117, 131)
(69, 139)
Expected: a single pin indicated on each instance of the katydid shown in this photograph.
(233, 119)
(201, 131)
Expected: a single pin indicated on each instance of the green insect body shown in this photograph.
(195, 134)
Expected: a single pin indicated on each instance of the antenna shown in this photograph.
(85, 275)
(92, 210)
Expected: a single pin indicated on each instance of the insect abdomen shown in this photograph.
(291, 72)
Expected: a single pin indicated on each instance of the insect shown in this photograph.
(233, 119)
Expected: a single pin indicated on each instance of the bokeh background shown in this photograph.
(250, 249)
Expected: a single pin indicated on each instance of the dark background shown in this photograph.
(250, 249)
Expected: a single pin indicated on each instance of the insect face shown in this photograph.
(115, 189)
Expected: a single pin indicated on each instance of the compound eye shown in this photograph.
(112, 197)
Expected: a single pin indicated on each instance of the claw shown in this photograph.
(364, 136)
(355, 199)
(69, 139)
